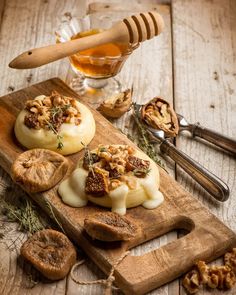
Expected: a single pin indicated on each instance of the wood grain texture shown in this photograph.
(205, 84)
(40, 19)
(208, 237)
(205, 80)
(30, 23)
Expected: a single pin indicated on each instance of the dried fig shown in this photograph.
(160, 115)
(109, 226)
(38, 170)
(117, 105)
(50, 252)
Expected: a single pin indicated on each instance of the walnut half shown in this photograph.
(117, 105)
(159, 114)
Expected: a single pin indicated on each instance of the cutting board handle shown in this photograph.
(164, 264)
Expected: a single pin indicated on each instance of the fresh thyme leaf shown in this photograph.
(139, 172)
(102, 149)
(143, 140)
(60, 143)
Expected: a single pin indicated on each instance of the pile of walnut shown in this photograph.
(160, 115)
(215, 277)
(117, 105)
(51, 112)
(111, 166)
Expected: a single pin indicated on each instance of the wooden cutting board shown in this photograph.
(208, 237)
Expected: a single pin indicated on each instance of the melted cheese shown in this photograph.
(72, 135)
(146, 193)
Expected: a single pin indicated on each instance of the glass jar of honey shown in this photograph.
(94, 66)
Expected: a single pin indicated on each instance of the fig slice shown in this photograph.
(159, 114)
(117, 105)
(109, 227)
(38, 170)
(50, 252)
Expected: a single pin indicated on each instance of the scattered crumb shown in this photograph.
(68, 15)
(216, 76)
(29, 78)
(212, 106)
(11, 88)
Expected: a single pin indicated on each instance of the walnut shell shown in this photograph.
(109, 226)
(50, 252)
(159, 114)
(38, 170)
(117, 105)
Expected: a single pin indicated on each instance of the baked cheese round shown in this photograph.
(69, 138)
(130, 190)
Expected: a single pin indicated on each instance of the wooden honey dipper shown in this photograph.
(133, 29)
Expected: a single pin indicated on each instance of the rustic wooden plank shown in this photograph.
(34, 25)
(204, 80)
(208, 238)
(153, 61)
(44, 30)
(2, 6)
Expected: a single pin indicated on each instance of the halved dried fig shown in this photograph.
(38, 170)
(109, 226)
(96, 183)
(117, 105)
(159, 114)
(50, 252)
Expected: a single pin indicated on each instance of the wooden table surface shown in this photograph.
(192, 65)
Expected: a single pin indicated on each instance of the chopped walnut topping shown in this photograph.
(160, 115)
(51, 112)
(117, 165)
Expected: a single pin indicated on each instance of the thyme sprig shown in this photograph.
(55, 111)
(53, 217)
(60, 144)
(24, 214)
(87, 153)
(143, 139)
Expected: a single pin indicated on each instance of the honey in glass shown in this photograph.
(102, 61)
